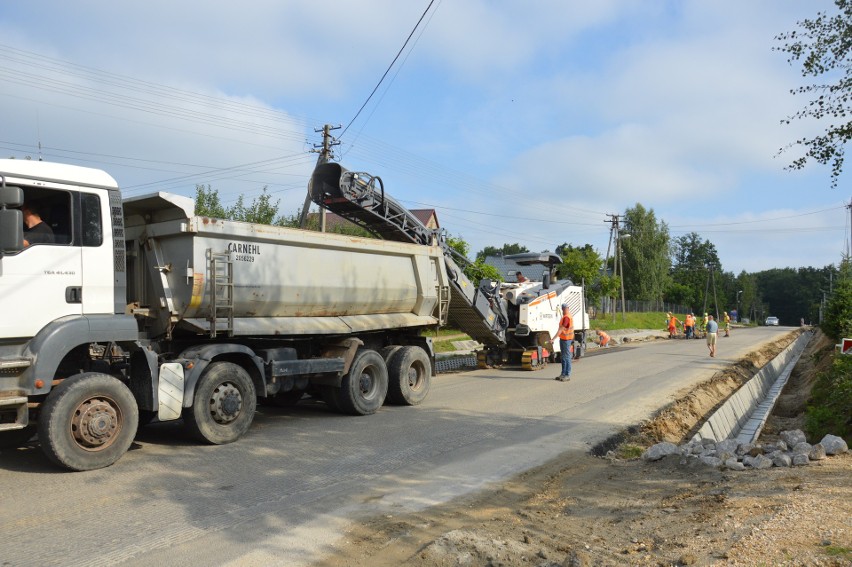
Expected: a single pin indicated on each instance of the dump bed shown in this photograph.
(211, 276)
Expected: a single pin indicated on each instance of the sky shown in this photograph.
(525, 121)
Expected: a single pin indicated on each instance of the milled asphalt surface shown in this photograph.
(285, 493)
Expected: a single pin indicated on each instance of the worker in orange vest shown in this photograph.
(565, 332)
(689, 325)
(673, 322)
(603, 338)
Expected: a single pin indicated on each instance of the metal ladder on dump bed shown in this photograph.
(360, 198)
(221, 270)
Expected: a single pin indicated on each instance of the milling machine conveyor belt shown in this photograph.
(357, 198)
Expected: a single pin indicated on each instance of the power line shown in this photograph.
(757, 220)
(385, 74)
(515, 217)
(395, 75)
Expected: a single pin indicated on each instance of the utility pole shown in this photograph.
(849, 246)
(739, 313)
(606, 260)
(620, 272)
(325, 154)
(711, 278)
(617, 262)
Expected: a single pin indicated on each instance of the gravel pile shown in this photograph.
(791, 450)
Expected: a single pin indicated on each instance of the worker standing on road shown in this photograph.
(704, 324)
(566, 337)
(727, 324)
(689, 325)
(673, 321)
(712, 329)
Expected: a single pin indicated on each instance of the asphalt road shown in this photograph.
(285, 492)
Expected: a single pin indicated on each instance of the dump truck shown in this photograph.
(120, 312)
(138, 310)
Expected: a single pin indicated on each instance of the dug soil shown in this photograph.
(583, 510)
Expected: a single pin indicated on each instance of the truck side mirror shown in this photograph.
(11, 196)
(11, 230)
(11, 220)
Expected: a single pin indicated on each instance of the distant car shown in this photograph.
(772, 321)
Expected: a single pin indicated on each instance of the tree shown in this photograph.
(823, 45)
(582, 264)
(750, 296)
(646, 254)
(837, 322)
(690, 260)
(506, 250)
(261, 210)
(792, 294)
(476, 270)
(208, 204)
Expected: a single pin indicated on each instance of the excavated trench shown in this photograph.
(681, 420)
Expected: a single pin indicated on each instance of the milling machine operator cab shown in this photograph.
(548, 260)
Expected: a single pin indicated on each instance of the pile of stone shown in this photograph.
(791, 449)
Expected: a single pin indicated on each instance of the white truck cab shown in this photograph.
(73, 275)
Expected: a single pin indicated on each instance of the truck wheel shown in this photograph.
(224, 404)
(88, 422)
(17, 437)
(409, 376)
(388, 351)
(363, 389)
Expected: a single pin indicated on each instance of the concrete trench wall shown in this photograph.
(744, 414)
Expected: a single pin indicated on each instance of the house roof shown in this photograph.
(425, 215)
(508, 268)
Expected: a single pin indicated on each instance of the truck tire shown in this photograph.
(409, 376)
(388, 351)
(363, 389)
(224, 404)
(17, 437)
(88, 422)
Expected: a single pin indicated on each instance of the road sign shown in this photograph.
(846, 346)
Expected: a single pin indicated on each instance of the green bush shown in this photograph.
(837, 322)
(830, 407)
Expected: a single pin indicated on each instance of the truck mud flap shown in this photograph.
(170, 391)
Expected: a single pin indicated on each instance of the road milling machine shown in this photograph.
(513, 321)
(534, 309)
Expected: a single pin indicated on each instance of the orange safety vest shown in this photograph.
(604, 338)
(568, 323)
(672, 322)
(690, 321)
